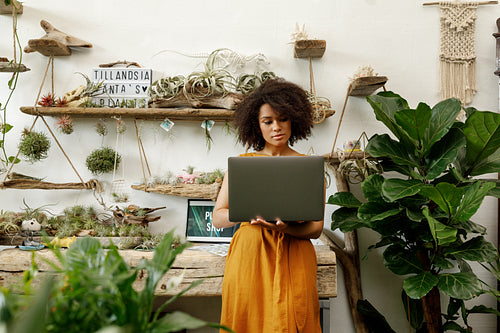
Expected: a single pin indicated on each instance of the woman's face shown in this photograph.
(276, 129)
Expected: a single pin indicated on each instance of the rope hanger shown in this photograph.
(92, 184)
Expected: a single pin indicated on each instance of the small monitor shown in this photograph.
(199, 227)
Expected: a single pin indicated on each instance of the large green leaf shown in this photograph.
(475, 249)
(443, 116)
(472, 199)
(446, 196)
(344, 199)
(490, 164)
(419, 285)
(415, 122)
(373, 319)
(177, 321)
(401, 261)
(414, 310)
(444, 153)
(346, 219)
(374, 211)
(395, 188)
(460, 285)
(443, 235)
(384, 146)
(482, 129)
(385, 105)
(372, 188)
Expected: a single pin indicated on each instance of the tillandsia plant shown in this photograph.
(423, 215)
(34, 145)
(94, 290)
(65, 124)
(102, 160)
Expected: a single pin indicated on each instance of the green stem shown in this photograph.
(12, 86)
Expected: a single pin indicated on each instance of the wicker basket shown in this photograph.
(202, 191)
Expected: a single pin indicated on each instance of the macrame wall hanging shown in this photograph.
(457, 51)
(457, 54)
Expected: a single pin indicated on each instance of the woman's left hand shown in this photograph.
(274, 225)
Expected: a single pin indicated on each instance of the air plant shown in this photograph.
(212, 80)
(247, 83)
(102, 160)
(167, 88)
(34, 145)
(47, 100)
(65, 124)
(101, 128)
(91, 88)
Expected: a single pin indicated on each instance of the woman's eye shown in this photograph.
(283, 119)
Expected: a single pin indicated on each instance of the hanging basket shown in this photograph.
(202, 191)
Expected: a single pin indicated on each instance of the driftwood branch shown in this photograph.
(55, 42)
(124, 62)
(348, 254)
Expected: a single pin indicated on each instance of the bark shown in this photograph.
(348, 255)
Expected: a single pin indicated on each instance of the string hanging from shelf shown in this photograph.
(118, 187)
(318, 108)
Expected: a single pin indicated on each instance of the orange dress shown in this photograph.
(269, 283)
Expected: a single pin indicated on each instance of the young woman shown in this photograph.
(270, 275)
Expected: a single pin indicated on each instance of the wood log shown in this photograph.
(41, 185)
(348, 254)
(366, 85)
(309, 48)
(7, 66)
(194, 264)
(8, 9)
(137, 113)
(55, 42)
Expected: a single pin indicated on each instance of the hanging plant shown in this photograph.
(102, 160)
(34, 145)
(65, 124)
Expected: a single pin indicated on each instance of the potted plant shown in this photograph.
(93, 291)
(423, 212)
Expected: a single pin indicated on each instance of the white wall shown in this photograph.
(400, 39)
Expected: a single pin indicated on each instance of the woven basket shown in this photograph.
(202, 191)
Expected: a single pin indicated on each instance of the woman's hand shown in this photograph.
(278, 225)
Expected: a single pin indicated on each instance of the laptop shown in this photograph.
(288, 187)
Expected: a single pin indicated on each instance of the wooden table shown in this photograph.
(197, 264)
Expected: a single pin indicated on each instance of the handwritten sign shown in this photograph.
(122, 87)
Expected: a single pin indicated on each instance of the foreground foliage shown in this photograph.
(94, 290)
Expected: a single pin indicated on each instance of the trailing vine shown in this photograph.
(12, 84)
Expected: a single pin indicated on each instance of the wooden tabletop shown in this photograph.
(194, 263)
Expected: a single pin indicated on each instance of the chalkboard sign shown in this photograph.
(122, 87)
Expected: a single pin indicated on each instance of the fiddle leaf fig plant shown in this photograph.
(422, 205)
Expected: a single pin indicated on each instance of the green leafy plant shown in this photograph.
(94, 290)
(34, 145)
(423, 213)
(103, 160)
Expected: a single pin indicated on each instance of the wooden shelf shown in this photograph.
(309, 48)
(366, 85)
(138, 113)
(9, 9)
